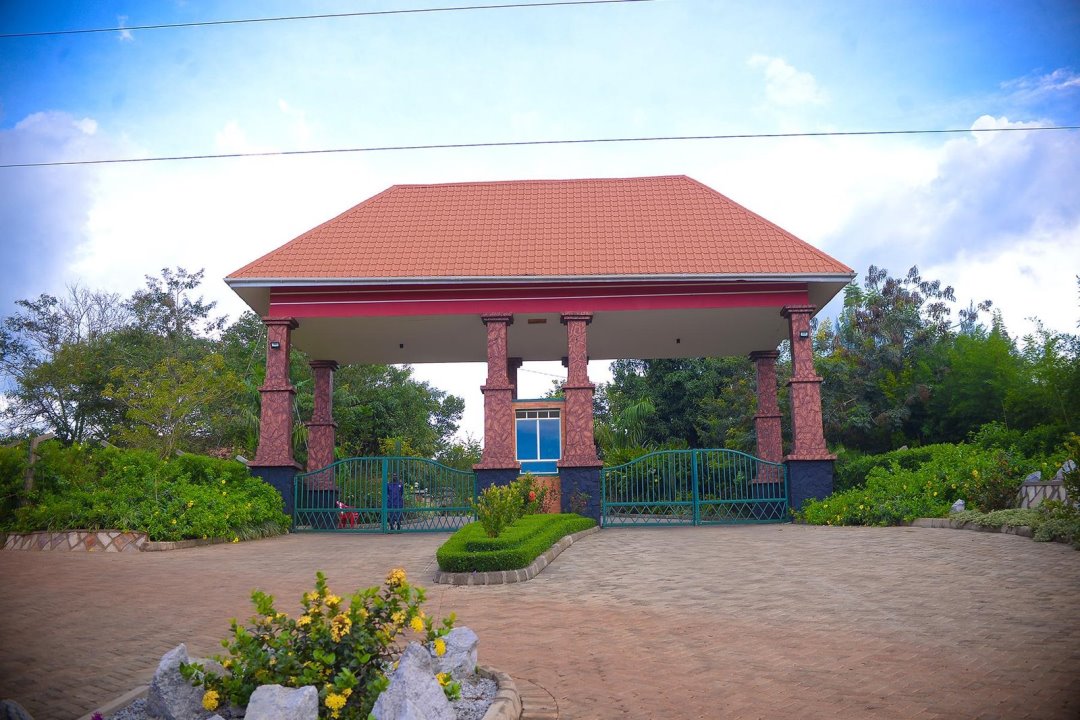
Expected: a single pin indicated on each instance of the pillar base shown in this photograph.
(808, 480)
(576, 480)
(486, 477)
(281, 477)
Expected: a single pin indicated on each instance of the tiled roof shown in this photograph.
(544, 228)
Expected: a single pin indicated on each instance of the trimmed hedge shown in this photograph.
(471, 550)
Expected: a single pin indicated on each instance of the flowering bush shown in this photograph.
(343, 648)
(497, 507)
(532, 495)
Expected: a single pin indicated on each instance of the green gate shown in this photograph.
(383, 494)
(694, 487)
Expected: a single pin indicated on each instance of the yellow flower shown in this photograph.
(335, 701)
(398, 618)
(417, 624)
(235, 539)
(223, 481)
(190, 503)
(311, 597)
(332, 601)
(440, 647)
(935, 493)
(210, 699)
(396, 577)
(339, 627)
(174, 521)
(974, 473)
(363, 614)
(443, 678)
(303, 621)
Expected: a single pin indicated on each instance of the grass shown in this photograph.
(1054, 522)
(471, 550)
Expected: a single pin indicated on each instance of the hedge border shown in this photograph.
(504, 577)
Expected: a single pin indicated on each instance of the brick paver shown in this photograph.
(712, 622)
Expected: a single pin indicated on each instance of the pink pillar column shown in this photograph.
(320, 436)
(767, 419)
(512, 365)
(579, 449)
(275, 415)
(498, 399)
(806, 424)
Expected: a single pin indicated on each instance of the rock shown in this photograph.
(1068, 467)
(11, 710)
(275, 702)
(957, 507)
(413, 693)
(171, 697)
(460, 657)
(1034, 477)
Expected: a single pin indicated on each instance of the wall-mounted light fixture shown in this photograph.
(275, 345)
(678, 341)
(401, 346)
(804, 333)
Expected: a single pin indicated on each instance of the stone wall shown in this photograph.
(78, 541)
(1034, 492)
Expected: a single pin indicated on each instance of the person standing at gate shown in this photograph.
(395, 501)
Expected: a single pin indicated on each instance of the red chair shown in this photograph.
(347, 519)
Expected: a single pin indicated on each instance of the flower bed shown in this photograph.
(471, 550)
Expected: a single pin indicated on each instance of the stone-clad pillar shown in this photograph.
(767, 419)
(579, 468)
(810, 465)
(321, 427)
(497, 465)
(274, 461)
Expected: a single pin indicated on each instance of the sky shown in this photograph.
(995, 215)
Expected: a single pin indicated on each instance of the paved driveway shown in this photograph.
(774, 621)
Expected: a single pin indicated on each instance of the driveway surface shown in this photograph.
(771, 621)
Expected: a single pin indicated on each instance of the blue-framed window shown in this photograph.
(539, 441)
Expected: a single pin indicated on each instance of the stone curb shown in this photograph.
(59, 541)
(501, 577)
(163, 545)
(507, 702)
(1022, 531)
(119, 703)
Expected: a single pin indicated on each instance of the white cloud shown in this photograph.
(784, 85)
(1031, 86)
(125, 35)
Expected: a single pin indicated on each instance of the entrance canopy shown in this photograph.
(666, 266)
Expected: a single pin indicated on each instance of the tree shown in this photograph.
(175, 405)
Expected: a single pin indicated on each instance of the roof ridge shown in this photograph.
(537, 181)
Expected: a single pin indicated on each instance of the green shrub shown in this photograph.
(342, 649)
(1049, 521)
(893, 493)
(524, 541)
(12, 478)
(497, 507)
(532, 495)
(853, 467)
(84, 488)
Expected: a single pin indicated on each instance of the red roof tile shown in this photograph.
(544, 228)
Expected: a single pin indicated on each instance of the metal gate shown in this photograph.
(383, 494)
(694, 487)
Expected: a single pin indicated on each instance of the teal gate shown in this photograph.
(383, 494)
(694, 487)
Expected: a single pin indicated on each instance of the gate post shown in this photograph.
(579, 468)
(497, 465)
(274, 461)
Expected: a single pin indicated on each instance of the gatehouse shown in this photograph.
(518, 271)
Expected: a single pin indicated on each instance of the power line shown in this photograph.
(369, 13)
(524, 143)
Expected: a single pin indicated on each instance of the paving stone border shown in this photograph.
(98, 541)
(1022, 531)
(502, 577)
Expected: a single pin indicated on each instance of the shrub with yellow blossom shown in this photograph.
(343, 648)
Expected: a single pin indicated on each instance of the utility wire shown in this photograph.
(523, 143)
(369, 13)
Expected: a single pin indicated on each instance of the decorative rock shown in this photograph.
(460, 657)
(413, 693)
(11, 710)
(957, 507)
(171, 697)
(1034, 477)
(1069, 466)
(275, 702)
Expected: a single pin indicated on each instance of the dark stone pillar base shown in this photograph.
(495, 476)
(575, 480)
(281, 477)
(809, 480)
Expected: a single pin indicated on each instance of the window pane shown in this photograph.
(549, 439)
(526, 440)
(540, 467)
